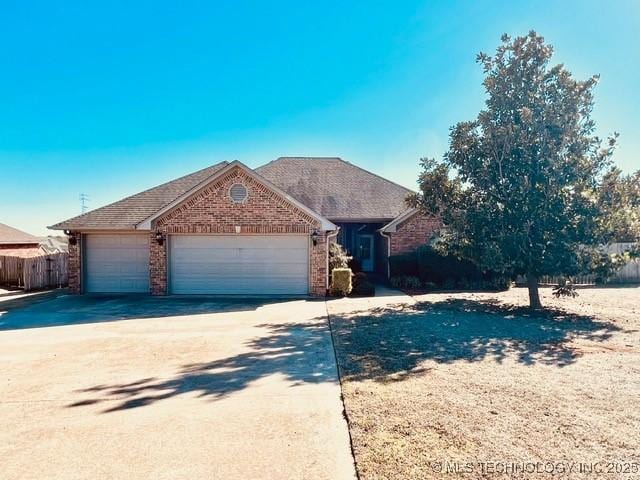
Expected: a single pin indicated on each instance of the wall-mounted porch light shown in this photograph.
(73, 239)
(159, 238)
(314, 237)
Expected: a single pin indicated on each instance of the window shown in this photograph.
(238, 193)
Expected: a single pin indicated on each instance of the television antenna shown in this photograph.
(84, 198)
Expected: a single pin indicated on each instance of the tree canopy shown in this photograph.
(526, 187)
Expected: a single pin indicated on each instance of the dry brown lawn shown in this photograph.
(473, 385)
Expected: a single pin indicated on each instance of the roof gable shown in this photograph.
(337, 189)
(125, 214)
(197, 189)
(393, 225)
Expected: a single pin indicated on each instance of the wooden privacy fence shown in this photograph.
(33, 273)
(628, 273)
(575, 279)
(11, 271)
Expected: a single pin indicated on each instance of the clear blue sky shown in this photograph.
(113, 98)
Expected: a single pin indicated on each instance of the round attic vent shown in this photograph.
(238, 193)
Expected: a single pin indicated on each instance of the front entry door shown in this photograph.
(364, 252)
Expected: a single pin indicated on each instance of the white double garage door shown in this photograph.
(200, 264)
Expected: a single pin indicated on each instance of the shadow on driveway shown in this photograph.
(79, 309)
(299, 351)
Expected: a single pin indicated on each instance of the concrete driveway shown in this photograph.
(205, 388)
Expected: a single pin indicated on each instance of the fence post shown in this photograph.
(21, 278)
(48, 272)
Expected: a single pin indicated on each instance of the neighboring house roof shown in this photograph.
(13, 236)
(336, 189)
(51, 245)
(127, 213)
(326, 224)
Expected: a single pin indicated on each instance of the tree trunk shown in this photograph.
(534, 295)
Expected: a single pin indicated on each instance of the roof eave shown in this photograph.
(89, 228)
(20, 242)
(361, 219)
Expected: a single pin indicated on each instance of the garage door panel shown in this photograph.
(115, 241)
(296, 271)
(180, 262)
(239, 256)
(229, 269)
(239, 264)
(293, 288)
(288, 270)
(134, 240)
(123, 285)
(232, 241)
(116, 263)
(189, 256)
(109, 255)
(271, 255)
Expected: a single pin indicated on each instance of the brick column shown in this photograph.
(75, 265)
(157, 265)
(318, 266)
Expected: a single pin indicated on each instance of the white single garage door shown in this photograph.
(228, 264)
(116, 263)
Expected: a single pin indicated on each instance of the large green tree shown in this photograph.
(520, 188)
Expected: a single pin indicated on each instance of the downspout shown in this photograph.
(386, 235)
(329, 235)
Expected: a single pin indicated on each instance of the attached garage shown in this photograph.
(116, 263)
(239, 264)
(223, 230)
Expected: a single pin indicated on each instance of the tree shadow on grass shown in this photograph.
(382, 344)
(301, 352)
(391, 343)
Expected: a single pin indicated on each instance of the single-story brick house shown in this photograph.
(230, 229)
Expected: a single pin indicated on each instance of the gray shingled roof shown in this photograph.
(10, 235)
(127, 213)
(336, 189)
(331, 187)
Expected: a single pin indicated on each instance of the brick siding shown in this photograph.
(412, 233)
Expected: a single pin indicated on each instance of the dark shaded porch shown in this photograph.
(364, 243)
